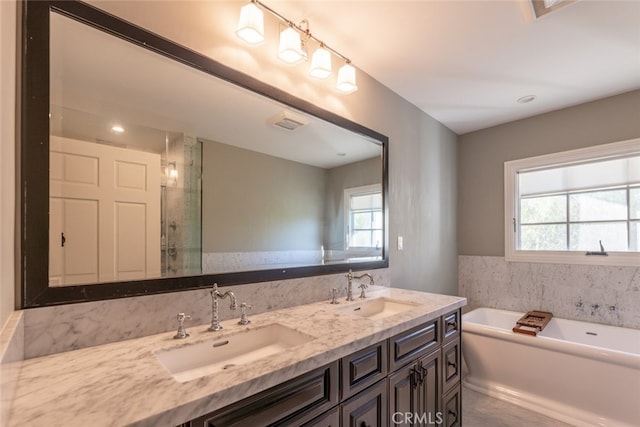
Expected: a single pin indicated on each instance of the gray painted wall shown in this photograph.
(266, 204)
(481, 157)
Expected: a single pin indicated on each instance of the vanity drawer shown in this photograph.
(452, 408)
(291, 403)
(451, 365)
(416, 342)
(363, 368)
(451, 326)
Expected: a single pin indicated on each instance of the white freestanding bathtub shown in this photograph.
(581, 373)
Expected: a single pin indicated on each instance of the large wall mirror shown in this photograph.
(147, 168)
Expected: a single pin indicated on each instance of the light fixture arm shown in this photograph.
(299, 28)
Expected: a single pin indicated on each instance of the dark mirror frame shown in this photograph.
(33, 161)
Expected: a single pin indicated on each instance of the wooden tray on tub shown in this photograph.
(532, 322)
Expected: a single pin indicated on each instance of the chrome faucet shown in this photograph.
(215, 317)
(350, 278)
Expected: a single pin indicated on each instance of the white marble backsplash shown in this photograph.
(568, 291)
(49, 330)
(224, 262)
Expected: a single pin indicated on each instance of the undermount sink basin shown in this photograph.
(189, 362)
(379, 308)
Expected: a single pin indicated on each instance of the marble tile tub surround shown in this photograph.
(11, 355)
(61, 328)
(568, 291)
(123, 383)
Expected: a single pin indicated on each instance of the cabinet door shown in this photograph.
(430, 391)
(368, 408)
(403, 395)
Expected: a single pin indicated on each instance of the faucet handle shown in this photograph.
(182, 332)
(363, 286)
(243, 314)
(334, 296)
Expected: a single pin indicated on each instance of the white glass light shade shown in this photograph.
(321, 63)
(290, 49)
(173, 173)
(251, 24)
(347, 79)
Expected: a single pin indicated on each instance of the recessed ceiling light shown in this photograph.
(526, 99)
(117, 128)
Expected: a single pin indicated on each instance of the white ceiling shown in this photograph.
(466, 63)
(98, 80)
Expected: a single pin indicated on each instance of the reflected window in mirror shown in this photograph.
(364, 221)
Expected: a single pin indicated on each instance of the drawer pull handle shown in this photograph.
(450, 363)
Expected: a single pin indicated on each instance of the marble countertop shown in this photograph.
(124, 383)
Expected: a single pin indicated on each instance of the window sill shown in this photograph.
(622, 259)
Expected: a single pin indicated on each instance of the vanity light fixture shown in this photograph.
(290, 48)
(173, 172)
(292, 45)
(251, 24)
(320, 63)
(347, 78)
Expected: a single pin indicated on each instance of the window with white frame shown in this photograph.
(363, 217)
(580, 206)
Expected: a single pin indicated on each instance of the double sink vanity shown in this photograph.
(319, 363)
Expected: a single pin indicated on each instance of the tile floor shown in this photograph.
(480, 410)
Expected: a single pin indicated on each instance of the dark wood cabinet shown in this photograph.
(363, 368)
(415, 392)
(291, 403)
(410, 379)
(452, 408)
(416, 342)
(451, 326)
(329, 419)
(451, 365)
(369, 408)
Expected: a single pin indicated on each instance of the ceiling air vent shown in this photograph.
(543, 7)
(288, 120)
